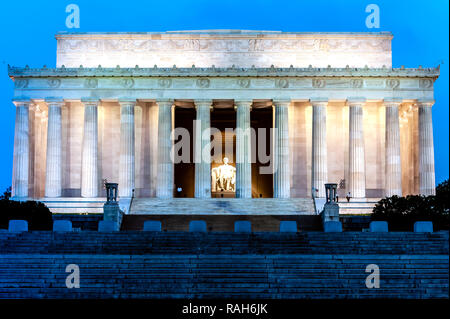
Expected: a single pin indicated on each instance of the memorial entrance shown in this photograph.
(223, 151)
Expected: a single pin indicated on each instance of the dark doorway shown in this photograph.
(185, 172)
(262, 184)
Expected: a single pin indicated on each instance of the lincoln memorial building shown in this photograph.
(322, 108)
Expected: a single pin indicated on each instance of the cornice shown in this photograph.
(27, 72)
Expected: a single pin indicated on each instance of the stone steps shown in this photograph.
(137, 264)
(197, 276)
(357, 206)
(74, 205)
(221, 206)
(143, 243)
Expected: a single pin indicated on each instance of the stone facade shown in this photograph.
(224, 48)
(345, 115)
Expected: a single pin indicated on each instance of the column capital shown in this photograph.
(124, 101)
(165, 102)
(22, 101)
(203, 102)
(356, 101)
(425, 102)
(243, 102)
(282, 103)
(56, 101)
(89, 101)
(392, 102)
(318, 101)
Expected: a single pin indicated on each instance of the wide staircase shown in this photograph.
(223, 206)
(137, 264)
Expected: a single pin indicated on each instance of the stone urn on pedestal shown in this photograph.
(111, 209)
(331, 208)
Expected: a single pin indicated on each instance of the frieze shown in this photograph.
(318, 83)
(21, 83)
(91, 83)
(281, 83)
(165, 82)
(194, 78)
(223, 45)
(243, 83)
(392, 83)
(425, 83)
(203, 83)
(54, 83)
(127, 83)
(356, 83)
(219, 83)
(225, 48)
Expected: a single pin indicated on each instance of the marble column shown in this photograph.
(53, 176)
(202, 154)
(21, 150)
(357, 173)
(281, 178)
(393, 164)
(89, 159)
(426, 149)
(243, 150)
(126, 169)
(319, 146)
(165, 178)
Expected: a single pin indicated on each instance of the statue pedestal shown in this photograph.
(112, 212)
(330, 212)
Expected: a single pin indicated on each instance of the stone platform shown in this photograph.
(223, 223)
(222, 206)
(357, 206)
(74, 205)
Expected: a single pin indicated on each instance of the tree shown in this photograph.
(6, 194)
(402, 212)
(37, 214)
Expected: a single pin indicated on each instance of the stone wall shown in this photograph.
(224, 49)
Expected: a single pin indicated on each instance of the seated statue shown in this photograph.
(223, 177)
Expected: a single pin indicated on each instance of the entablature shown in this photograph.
(18, 72)
(224, 83)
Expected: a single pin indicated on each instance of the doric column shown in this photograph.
(202, 154)
(164, 187)
(89, 160)
(243, 150)
(53, 176)
(126, 169)
(21, 149)
(393, 165)
(357, 173)
(426, 149)
(319, 146)
(281, 178)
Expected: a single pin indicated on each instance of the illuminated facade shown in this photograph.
(342, 113)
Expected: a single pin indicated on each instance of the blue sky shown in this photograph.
(420, 29)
